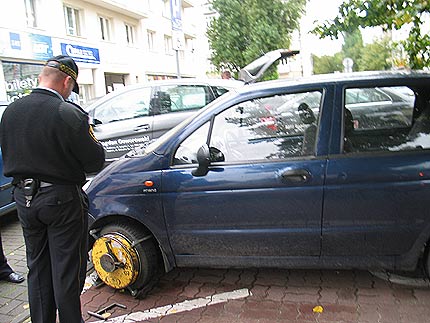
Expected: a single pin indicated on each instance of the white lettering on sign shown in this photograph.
(40, 48)
(15, 43)
(18, 84)
(124, 144)
(18, 88)
(78, 52)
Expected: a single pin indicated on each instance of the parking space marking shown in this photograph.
(89, 281)
(184, 306)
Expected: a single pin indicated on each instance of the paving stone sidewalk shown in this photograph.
(13, 297)
(239, 296)
(284, 296)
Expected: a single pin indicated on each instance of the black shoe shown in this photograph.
(14, 278)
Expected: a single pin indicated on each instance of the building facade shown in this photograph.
(114, 43)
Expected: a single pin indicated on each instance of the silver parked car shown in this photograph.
(136, 115)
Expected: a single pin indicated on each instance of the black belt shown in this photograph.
(21, 184)
(30, 186)
(45, 184)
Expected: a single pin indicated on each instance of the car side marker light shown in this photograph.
(148, 183)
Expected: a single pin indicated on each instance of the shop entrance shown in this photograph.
(114, 81)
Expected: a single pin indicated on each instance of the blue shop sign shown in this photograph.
(34, 46)
(80, 53)
(175, 8)
(41, 46)
(15, 41)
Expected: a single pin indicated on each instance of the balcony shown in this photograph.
(187, 4)
(131, 8)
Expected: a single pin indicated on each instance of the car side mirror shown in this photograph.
(203, 158)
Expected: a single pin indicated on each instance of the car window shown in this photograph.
(274, 127)
(186, 97)
(365, 95)
(187, 151)
(127, 105)
(385, 119)
(219, 90)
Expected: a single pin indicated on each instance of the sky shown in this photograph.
(321, 11)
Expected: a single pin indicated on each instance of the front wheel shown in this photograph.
(124, 256)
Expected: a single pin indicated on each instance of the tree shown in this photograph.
(388, 14)
(353, 47)
(245, 29)
(327, 64)
(371, 57)
(376, 56)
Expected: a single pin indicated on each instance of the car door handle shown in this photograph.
(142, 127)
(296, 175)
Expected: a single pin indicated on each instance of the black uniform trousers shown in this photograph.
(5, 269)
(55, 232)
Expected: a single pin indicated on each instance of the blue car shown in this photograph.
(6, 203)
(330, 171)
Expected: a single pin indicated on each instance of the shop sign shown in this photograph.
(20, 79)
(80, 53)
(29, 46)
(175, 8)
(15, 41)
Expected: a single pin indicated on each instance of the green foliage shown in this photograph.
(388, 14)
(245, 29)
(327, 64)
(353, 47)
(371, 57)
(376, 56)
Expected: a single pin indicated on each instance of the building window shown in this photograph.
(30, 12)
(151, 40)
(166, 9)
(72, 21)
(129, 34)
(105, 28)
(148, 4)
(168, 47)
(189, 45)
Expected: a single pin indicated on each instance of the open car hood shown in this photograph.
(252, 72)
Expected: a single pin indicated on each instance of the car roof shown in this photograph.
(229, 84)
(335, 78)
(315, 80)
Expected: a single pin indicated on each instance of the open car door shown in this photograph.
(252, 72)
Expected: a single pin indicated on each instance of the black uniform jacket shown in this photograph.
(46, 138)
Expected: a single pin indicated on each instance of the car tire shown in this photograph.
(125, 256)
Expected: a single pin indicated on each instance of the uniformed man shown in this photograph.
(48, 146)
